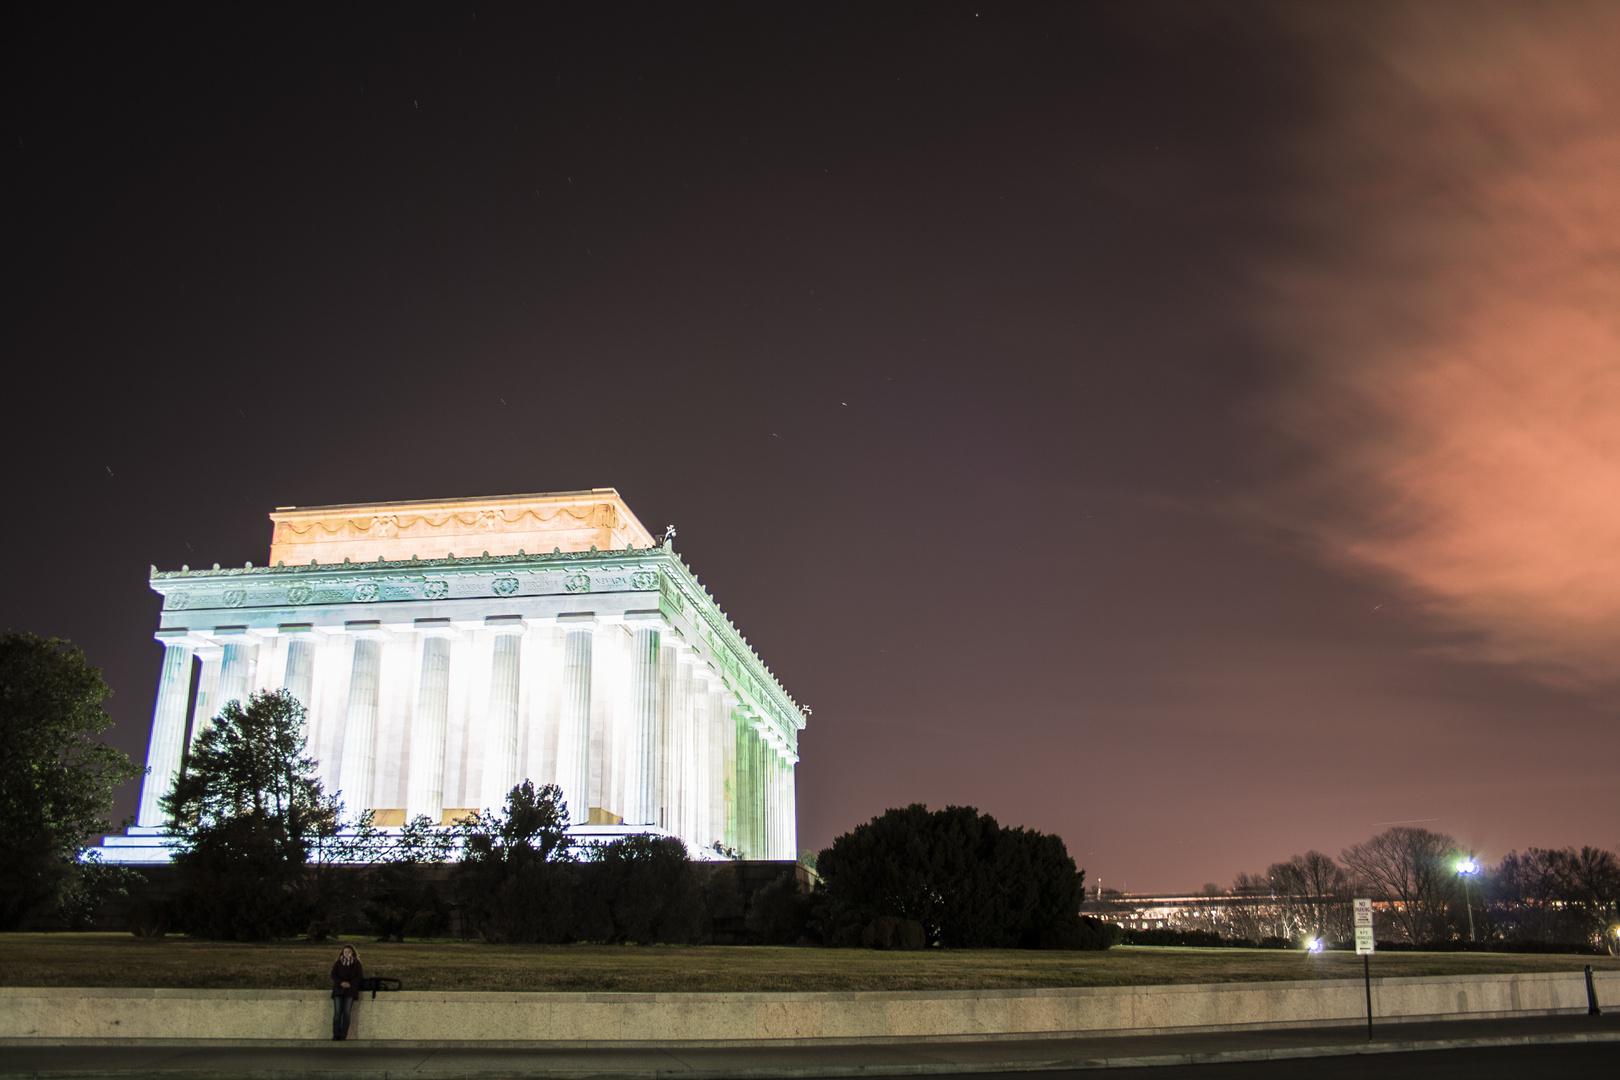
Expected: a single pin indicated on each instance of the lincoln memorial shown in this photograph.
(447, 650)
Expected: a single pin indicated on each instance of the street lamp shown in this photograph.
(1467, 869)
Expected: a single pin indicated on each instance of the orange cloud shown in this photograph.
(1456, 315)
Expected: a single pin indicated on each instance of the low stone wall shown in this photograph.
(63, 1014)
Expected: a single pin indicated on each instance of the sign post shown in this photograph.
(1364, 949)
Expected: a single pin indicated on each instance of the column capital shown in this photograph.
(178, 637)
(506, 624)
(578, 620)
(301, 630)
(438, 628)
(647, 619)
(369, 629)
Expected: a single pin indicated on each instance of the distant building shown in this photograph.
(447, 650)
(1167, 911)
(1235, 914)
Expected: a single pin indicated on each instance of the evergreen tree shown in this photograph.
(56, 781)
(246, 812)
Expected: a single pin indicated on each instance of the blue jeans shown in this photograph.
(342, 1006)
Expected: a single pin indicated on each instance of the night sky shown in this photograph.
(1193, 429)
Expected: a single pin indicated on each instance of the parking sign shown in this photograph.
(1362, 908)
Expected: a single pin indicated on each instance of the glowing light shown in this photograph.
(1314, 945)
(1468, 866)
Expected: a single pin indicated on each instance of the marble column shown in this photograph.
(778, 825)
(236, 670)
(762, 793)
(673, 727)
(501, 724)
(790, 803)
(299, 679)
(762, 846)
(784, 815)
(684, 770)
(360, 726)
(424, 791)
(732, 771)
(777, 832)
(756, 793)
(720, 758)
(574, 727)
(203, 711)
(641, 806)
(167, 745)
(747, 763)
(702, 770)
(768, 802)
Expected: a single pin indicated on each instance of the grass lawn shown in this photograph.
(125, 960)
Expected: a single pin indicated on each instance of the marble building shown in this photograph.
(447, 650)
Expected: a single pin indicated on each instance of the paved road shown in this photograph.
(1568, 1045)
(1581, 1061)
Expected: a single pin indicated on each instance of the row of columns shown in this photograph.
(678, 731)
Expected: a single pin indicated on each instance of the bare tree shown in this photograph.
(1313, 893)
(1526, 904)
(1589, 881)
(1253, 912)
(1411, 870)
(1557, 895)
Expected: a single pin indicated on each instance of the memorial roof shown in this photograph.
(437, 528)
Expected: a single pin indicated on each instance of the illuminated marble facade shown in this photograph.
(448, 650)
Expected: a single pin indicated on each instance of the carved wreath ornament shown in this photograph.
(505, 586)
(366, 593)
(299, 594)
(235, 597)
(578, 582)
(643, 580)
(436, 590)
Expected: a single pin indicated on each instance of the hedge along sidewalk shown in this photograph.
(121, 960)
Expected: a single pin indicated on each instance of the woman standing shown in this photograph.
(346, 977)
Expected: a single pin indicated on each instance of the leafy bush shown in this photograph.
(1081, 932)
(403, 904)
(887, 932)
(778, 913)
(642, 889)
(242, 880)
(514, 880)
(518, 880)
(967, 880)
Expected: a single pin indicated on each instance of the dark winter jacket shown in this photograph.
(346, 973)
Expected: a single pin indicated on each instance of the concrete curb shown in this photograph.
(929, 1068)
